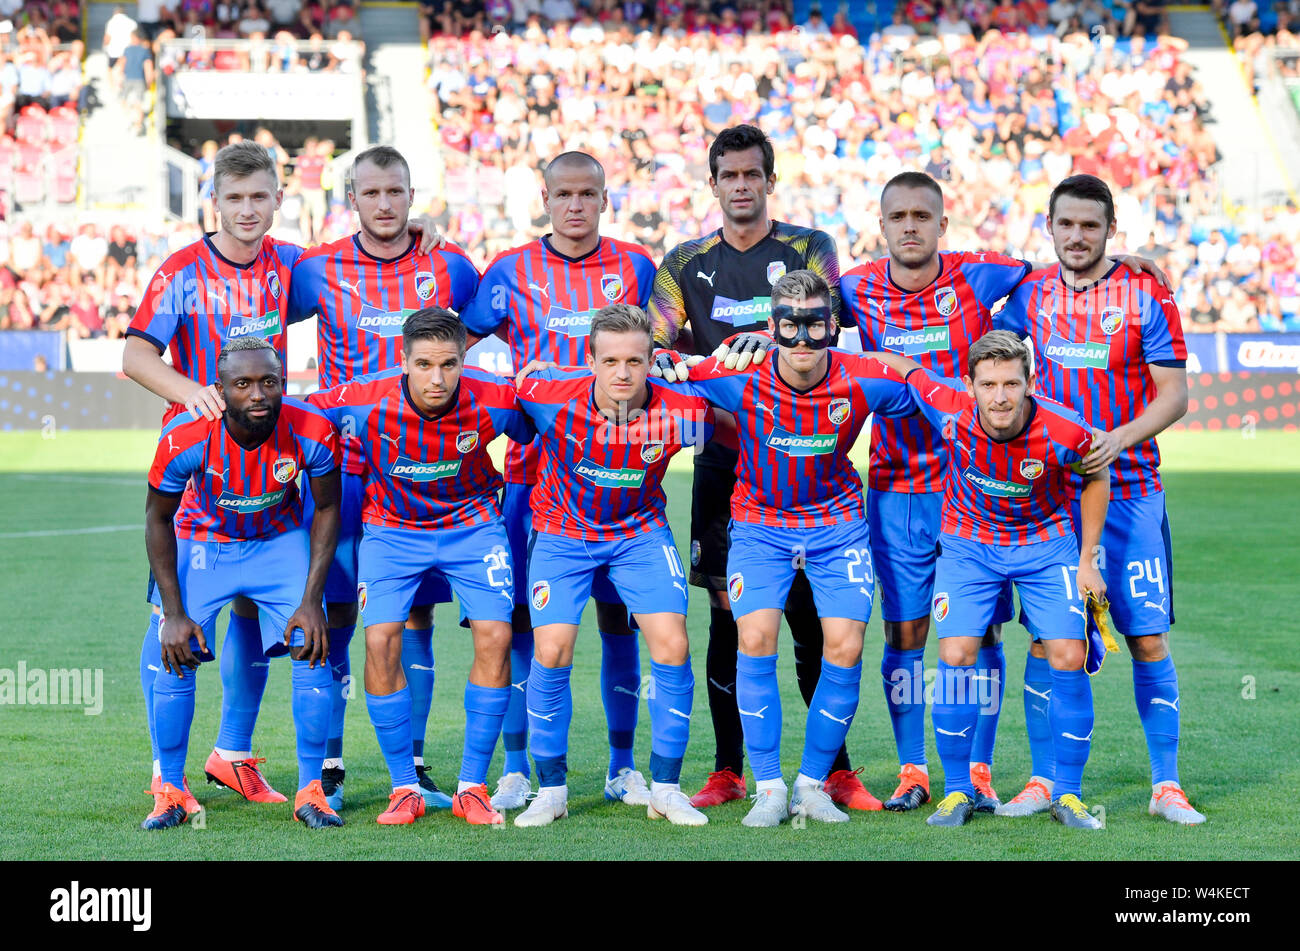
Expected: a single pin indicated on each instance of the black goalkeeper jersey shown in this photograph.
(718, 290)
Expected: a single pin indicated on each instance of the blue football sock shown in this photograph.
(1155, 688)
(992, 663)
(417, 659)
(150, 665)
(514, 731)
(485, 710)
(902, 673)
(391, 716)
(620, 687)
(670, 719)
(956, 713)
(311, 717)
(1038, 700)
(340, 687)
(243, 680)
(758, 697)
(1072, 719)
(550, 708)
(173, 712)
(833, 705)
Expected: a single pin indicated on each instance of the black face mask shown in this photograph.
(803, 317)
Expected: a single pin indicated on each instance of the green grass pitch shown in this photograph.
(71, 786)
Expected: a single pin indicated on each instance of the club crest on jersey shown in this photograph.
(945, 300)
(361, 595)
(1031, 468)
(940, 606)
(775, 271)
(652, 452)
(426, 285)
(284, 470)
(695, 552)
(541, 595)
(839, 410)
(1112, 318)
(274, 284)
(611, 285)
(466, 442)
(735, 586)
(265, 325)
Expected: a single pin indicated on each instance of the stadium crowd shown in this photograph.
(998, 107)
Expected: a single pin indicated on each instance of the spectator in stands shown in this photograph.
(136, 75)
(25, 249)
(345, 54)
(118, 31)
(150, 16)
(89, 249)
(1243, 17)
(65, 81)
(33, 81)
(310, 169)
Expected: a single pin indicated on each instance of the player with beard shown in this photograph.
(224, 519)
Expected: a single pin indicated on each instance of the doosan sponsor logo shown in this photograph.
(568, 322)
(793, 444)
(1265, 353)
(265, 326)
(610, 478)
(992, 486)
(383, 323)
(77, 904)
(250, 503)
(1077, 356)
(413, 471)
(740, 313)
(911, 342)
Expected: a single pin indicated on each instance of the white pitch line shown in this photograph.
(94, 480)
(94, 530)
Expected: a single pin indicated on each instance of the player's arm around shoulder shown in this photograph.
(508, 413)
(882, 378)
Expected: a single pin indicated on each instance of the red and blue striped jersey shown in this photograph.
(361, 301)
(198, 300)
(238, 494)
(1092, 350)
(546, 301)
(424, 472)
(934, 326)
(794, 468)
(1003, 493)
(599, 479)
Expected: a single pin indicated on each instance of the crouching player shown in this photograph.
(1006, 517)
(598, 507)
(240, 532)
(798, 504)
(431, 506)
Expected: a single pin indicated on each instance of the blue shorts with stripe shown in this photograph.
(396, 565)
(645, 571)
(971, 579)
(516, 509)
(904, 536)
(1137, 565)
(270, 572)
(763, 559)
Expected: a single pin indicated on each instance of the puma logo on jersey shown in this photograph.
(758, 713)
(1161, 700)
(726, 689)
(706, 277)
(534, 713)
(544, 290)
(521, 686)
(171, 447)
(348, 285)
(677, 713)
(213, 472)
(1159, 607)
(574, 439)
(342, 392)
(1081, 739)
(619, 688)
(950, 733)
(1046, 695)
(830, 716)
